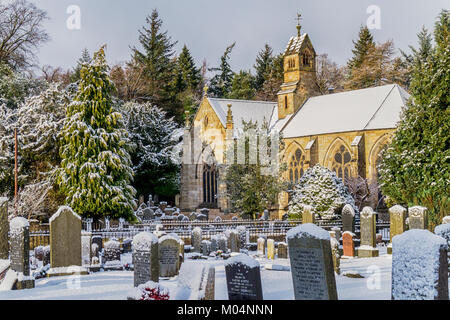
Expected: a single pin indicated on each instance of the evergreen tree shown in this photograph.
(187, 75)
(220, 84)
(84, 59)
(156, 60)
(263, 66)
(272, 84)
(96, 168)
(362, 47)
(415, 167)
(242, 86)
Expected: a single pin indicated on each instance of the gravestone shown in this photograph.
(418, 217)
(196, 239)
(127, 245)
(348, 244)
(337, 232)
(335, 254)
(266, 215)
(145, 258)
(111, 255)
(4, 229)
(195, 285)
(214, 243)
(446, 219)
(65, 238)
(368, 249)
(397, 217)
(222, 243)
(181, 253)
(98, 241)
(46, 258)
(147, 214)
(207, 284)
(243, 278)
(311, 263)
(205, 212)
(443, 231)
(86, 248)
(348, 219)
(270, 249)
(234, 241)
(39, 253)
(261, 247)
(242, 231)
(282, 250)
(206, 247)
(20, 252)
(168, 254)
(308, 215)
(94, 251)
(419, 266)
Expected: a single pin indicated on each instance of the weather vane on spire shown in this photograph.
(299, 18)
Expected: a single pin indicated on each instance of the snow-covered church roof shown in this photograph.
(357, 110)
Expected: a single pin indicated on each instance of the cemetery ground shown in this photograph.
(375, 283)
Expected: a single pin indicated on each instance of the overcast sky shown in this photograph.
(207, 27)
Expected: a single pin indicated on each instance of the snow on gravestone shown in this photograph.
(419, 266)
(311, 263)
(282, 250)
(4, 229)
(443, 231)
(243, 278)
(348, 218)
(242, 231)
(168, 254)
(196, 239)
(145, 258)
(111, 255)
(308, 215)
(234, 241)
(195, 285)
(418, 217)
(65, 238)
(86, 251)
(368, 231)
(397, 217)
(348, 244)
(446, 219)
(261, 248)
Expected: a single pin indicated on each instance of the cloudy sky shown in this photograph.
(207, 27)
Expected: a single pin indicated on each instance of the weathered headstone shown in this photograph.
(234, 241)
(348, 218)
(65, 238)
(214, 243)
(443, 231)
(266, 215)
(335, 254)
(98, 241)
(195, 285)
(127, 245)
(368, 248)
(20, 252)
(419, 266)
(181, 253)
(86, 248)
(282, 250)
(348, 244)
(243, 278)
(4, 229)
(206, 247)
(196, 239)
(145, 258)
(446, 219)
(147, 214)
(418, 217)
(308, 215)
(222, 243)
(337, 232)
(397, 217)
(111, 255)
(311, 263)
(46, 258)
(242, 230)
(261, 247)
(270, 249)
(168, 254)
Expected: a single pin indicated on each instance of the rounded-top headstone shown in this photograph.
(243, 278)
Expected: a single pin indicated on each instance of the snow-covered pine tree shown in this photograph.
(96, 168)
(220, 84)
(263, 66)
(156, 148)
(322, 189)
(415, 168)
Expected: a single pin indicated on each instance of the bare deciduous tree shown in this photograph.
(329, 75)
(21, 33)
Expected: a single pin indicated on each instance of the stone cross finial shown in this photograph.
(205, 90)
(299, 18)
(186, 121)
(229, 115)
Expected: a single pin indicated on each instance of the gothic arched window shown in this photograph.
(342, 163)
(306, 60)
(296, 163)
(210, 176)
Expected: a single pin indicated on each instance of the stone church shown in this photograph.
(344, 132)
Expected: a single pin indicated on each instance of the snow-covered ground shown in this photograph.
(277, 285)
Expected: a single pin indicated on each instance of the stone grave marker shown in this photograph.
(111, 255)
(205, 212)
(234, 241)
(266, 215)
(20, 252)
(181, 253)
(86, 248)
(127, 245)
(418, 217)
(206, 247)
(46, 258)
(443, 231)
(65, 238)
(261, 247)
(282, 250)
(196, 239)
(308, 215)
(270, 249)
(168, 253)
(419, 266)
(446, 219)
(348, 218)
(348, 244)
(242, 231)
(337, 232)
(243, 278)
(147, 214)
(311, 263)
(214, 243)
(368, 248)
(195, 285)
(4, 229)
(98, 241)
(397, 217)
(222, 243)
(145, 258)
(336, 256)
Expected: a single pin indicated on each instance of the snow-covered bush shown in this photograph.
(324, 191)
